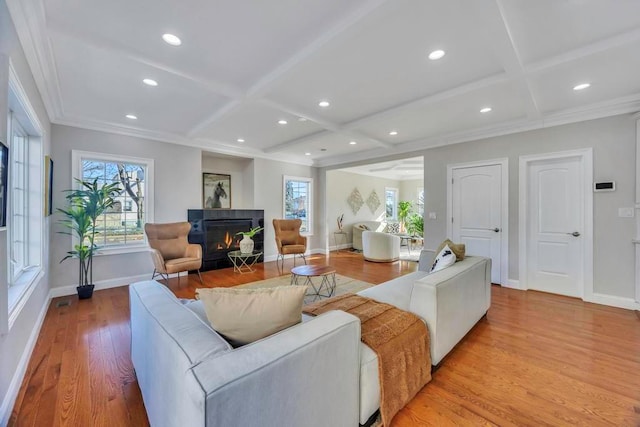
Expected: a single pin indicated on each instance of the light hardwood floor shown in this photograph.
(537, 359)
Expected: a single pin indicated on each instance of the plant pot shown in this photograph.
(246, 245)
(85, 292)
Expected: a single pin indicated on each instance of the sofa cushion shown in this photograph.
(445, 258)
(457, 248)
(396, 292)
(246, 315)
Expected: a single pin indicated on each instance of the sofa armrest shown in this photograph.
(305, 375)
(452, 301)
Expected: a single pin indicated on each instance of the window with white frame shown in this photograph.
(121, 228)
(25, 201)
(391, 203)
(297, 201)
(420, 201)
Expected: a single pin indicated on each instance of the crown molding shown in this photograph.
(624, 105)
(29, 20)
(167, 137)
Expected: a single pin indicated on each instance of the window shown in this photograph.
(391, 203)
(25, 208)
(25, 222)
(420, 201)
(298, 196)
(121, 228)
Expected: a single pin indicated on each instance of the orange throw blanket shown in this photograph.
(399, 338)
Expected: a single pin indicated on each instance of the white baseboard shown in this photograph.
(63, 291)
(512, 283)
(14, 387)
(340, 247)
(614, 301)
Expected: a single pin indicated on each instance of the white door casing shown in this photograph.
(556, 223)
(477, 211)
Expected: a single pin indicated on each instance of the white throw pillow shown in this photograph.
(246, 315)
(445, 258)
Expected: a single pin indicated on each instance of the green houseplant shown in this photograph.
(404, 210)
(415, 225)
(85, 205)
(247, 244)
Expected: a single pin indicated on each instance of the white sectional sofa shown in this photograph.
(316, 373)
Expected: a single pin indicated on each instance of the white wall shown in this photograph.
(241, 194)
(177, 187)
(16, 345)
(409, 191)
(613, 143)
(340, 184)
(268, 195)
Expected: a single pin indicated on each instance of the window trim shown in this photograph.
(395, 204)
(310, 215)
(77, 156)
(16, 294)
(418, 204)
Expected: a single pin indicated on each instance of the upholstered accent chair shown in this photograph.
(289, 240)
(171, 251)
(380, 247)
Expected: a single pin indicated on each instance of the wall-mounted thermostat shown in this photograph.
(604, 186)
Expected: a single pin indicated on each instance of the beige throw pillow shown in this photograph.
(246, 315)
(457, 248)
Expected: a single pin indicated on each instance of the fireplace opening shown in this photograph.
(221, 235)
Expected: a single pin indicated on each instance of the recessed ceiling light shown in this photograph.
(282, 122)
(485, 110)
(436, 54)
(302, 119)
(171, 39)
(323, 104)
(582, 86)
(240, 140)
(307, 154)
(131, 117)
(352, 143)
(150, 82)
(393, 133)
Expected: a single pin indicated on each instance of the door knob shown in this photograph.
(574, 234)
(497, 230)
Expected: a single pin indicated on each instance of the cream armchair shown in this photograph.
(380, 247)
(171, 252)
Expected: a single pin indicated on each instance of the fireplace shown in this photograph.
(215, 230)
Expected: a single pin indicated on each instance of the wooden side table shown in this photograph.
(343, 239)
(327, 281)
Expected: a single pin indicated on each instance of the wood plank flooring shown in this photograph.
(537, 360)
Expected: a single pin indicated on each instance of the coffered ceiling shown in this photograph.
(243, 66)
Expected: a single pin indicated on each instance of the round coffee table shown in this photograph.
(327, 283)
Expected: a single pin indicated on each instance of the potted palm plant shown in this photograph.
(246, 244)
(404, 210)
(85, 205)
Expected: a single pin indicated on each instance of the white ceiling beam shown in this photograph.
(491, 16)
(584, 51)
(428, 100)
(266, 83)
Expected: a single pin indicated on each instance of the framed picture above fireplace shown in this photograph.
(216, 191)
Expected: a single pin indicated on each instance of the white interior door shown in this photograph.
(477, 213)
(555, 225)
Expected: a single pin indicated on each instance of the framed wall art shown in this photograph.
(216, 191)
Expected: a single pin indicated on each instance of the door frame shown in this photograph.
(586, 167)
(504, 213)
